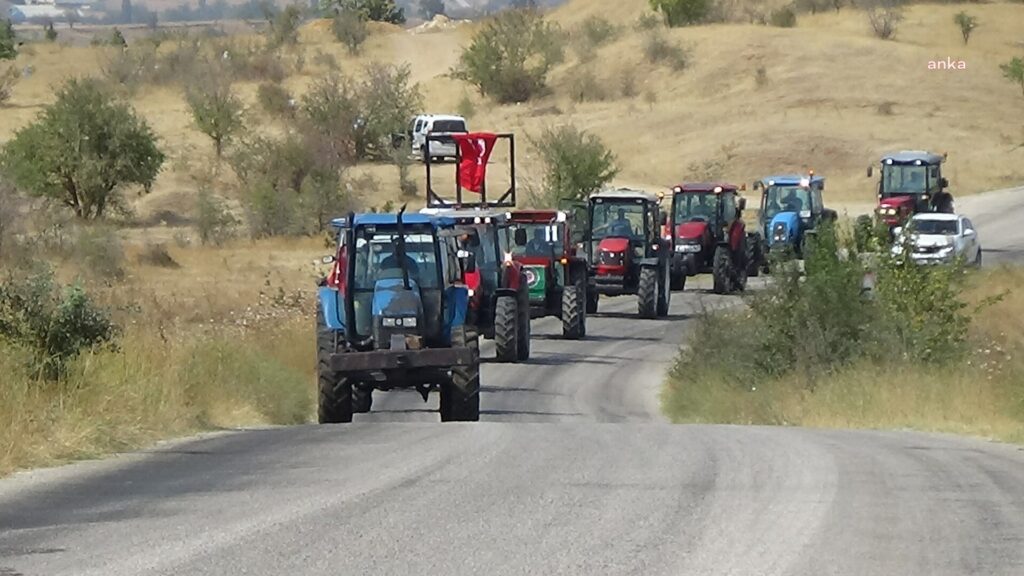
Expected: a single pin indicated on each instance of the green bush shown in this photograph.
(576, 163)
(284, 27)
(216, 110)
(275, 100)
(54, 323)
(376, 10)
(214, 222)
(1014, 71)
(509, 59)
(783, 18)
(51, 34)
(967, 24)
(82, 150)
(682, 12)
(660, 50)
(349, 27)
(8, 41)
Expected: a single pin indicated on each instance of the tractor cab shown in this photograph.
(791, 206)
(911, 182)
(392, 315)
(625, 250)
(707, 218)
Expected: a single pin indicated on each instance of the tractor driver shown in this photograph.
(391, 268)
(916, 184)
(703, 210)
(620, 226)
(538, 245)
(792, 202)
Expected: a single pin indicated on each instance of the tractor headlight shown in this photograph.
(390, 322)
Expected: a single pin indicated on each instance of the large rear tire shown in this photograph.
(362, 398)
(721, 270)
(739, 267)
(647, 293)
(334, 392)
(664, 291)
(755, 256)
(460, 397)
(506, 329)
(574, 314)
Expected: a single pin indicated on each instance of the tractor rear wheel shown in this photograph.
(362, 398)
(740, 268)
(664, 290)
(679, 281)
(523, 342)
(593, 297)
(574, 313)
(334, 398)
(647, 293)
(721, 270)
(755, 256)
(460, 397)
(506, 329)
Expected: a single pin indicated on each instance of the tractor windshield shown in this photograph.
(786, 199)
(377, 258)
(899, 179)
(695, 207)
(618, 220)
(543, 240)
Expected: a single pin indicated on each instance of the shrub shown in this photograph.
(215, 109)
(214, 222)
(55, 324)
(783, 18)
(117, 39)
(884, 17)
(8, 41)
(585, 87)
(275, 100)
(1014, 71)
(8, 79)
(576, 163)
(509, 59)
(157, 255)
(682, 12)
(376, 10)
(658, 50)
(593, 33)
(647, 21)
(284, 27)
(82, 150)
(966, 23)
(627, 83)
(349, 27)
(51, 34)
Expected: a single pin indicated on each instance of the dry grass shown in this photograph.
(983, 397)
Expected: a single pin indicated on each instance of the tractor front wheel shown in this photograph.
(460, 397)
(647, 293)
(574, 313)
(506, 329)
(721, 270)
(334, 390)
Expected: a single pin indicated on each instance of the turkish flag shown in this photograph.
(475, 149)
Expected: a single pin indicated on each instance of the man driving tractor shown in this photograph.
(538, 245)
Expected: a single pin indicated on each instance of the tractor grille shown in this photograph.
(611, 258)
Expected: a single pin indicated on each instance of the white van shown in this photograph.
(436, 125)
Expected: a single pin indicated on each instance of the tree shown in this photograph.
(387, 99)
(8, 42)
(431, 8)
(884, 17)
(117, 39)
(682, 12)
(349, 28)
(83, 149)
(284, 26)
(576, 163)
(216, 110)
(376, 10)
(50, 33)
(1014, 71)
(966, 23)
(509, 59)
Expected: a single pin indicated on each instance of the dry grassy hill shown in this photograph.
(828, 95)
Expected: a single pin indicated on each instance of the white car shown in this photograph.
(437, 125)
(940, 238)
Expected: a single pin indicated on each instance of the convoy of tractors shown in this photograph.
(410, 295)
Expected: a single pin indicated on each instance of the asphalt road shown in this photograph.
(572, 471)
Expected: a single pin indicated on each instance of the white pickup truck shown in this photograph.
(436, 125)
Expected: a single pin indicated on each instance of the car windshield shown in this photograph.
(903, 179)
(377, 259)
(786, 199)
(542, 240)
(945, 227)
(624, 219)
(449, 126)
(695, 207)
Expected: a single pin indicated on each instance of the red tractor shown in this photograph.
(555, 275)
(625, 250)
(708, 235)
(910, 182)
(499, 305)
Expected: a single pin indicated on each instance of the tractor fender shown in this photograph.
(514, 292)
(650, 262)
(737, 232)
(333, 313)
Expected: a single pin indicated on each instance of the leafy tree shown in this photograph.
(83, 149)
(284, 27)
(509, 59)
(216, 110)
(387, 99)
(431, 8)
(576, 163)
(966, 23)
(8, 42)
(682, 12)
(1014, 71)
(117, 39)
(349, 28)
(376, 10)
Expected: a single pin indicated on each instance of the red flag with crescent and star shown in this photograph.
(475, 149)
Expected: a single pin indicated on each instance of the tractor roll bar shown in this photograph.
(506, 200)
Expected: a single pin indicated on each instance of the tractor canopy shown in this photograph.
(910, 173)
(695, 206)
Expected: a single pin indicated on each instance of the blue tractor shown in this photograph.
(392, 315)
(791, 208)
